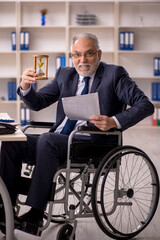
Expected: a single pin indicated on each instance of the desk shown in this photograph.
(17, 136)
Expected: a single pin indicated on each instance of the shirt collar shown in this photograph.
(91, 76)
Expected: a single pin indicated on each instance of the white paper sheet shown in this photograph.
(4, 117)
(81, 107)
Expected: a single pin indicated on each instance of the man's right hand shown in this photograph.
(28, 78)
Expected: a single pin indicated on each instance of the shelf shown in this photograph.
(156, 102)
(43, 39)
(31, 13)
(138, 52)
(5, 39)
(8, 102)
(104, 12)
(139, 13)
(146, 39)
(10, 27)
(7, 14)
(91, 27)
(54, 39)
(8, 65)
(40, 52)
(140, 27)
(41, 27)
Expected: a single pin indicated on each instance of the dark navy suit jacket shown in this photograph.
(115, 88)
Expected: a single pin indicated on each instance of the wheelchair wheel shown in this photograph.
(125, 192)
(65, 232)
(59, 214)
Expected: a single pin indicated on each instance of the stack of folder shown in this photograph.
(24, 40)
(126, 40)
(25, 115)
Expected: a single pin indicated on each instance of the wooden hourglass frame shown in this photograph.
(41, 66)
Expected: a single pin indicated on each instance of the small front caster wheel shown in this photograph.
(65, 232)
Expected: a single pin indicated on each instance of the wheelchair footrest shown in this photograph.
(28, 228)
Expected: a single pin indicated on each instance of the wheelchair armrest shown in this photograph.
(93, 129)
(42, 124)
(35, 124)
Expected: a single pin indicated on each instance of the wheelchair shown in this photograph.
(117, 185)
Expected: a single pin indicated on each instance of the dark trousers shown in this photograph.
(46, 152)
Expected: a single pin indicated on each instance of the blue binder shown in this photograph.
(9, 91)
(156, 66)
(58, 62)
(122, 40)
(126, 41)
(22, 39)
(131, 40)
(13, 40)
(154, 91)
(63, 61)
(26, 40)
(23, 116)
(12, 94)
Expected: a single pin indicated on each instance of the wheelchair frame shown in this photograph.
(96, 204)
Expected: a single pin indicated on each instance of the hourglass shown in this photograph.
(41, 66)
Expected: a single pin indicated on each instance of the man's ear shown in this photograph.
(99, 54)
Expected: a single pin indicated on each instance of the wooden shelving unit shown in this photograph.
(54, 39)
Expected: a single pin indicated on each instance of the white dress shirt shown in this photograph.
(81, 84)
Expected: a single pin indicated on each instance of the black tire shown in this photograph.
(118, 177)
(65, 232)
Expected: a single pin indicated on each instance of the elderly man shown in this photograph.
(115, 89)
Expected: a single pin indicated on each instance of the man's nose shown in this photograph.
(83, 58)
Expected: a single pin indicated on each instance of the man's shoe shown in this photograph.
(29, 223)
(29, 218)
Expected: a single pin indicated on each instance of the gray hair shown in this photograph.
(87, 36)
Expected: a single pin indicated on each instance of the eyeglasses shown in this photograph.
(87, 54)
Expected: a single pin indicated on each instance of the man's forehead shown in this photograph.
(88, 50)
(83, 44)
(84, 41)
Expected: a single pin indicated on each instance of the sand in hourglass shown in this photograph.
(41, 66)
(40, 71)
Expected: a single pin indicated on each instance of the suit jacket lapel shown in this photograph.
(97, 78)
(73, 82)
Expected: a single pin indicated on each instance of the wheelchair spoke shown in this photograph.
(127, 194)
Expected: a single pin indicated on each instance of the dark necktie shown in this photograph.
(70, 124)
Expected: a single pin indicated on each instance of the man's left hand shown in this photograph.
(103, 122)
